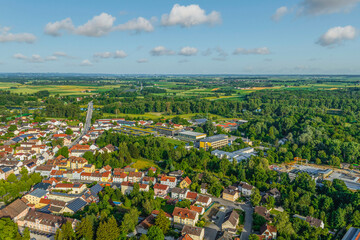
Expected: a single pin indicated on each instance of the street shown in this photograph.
(87, 125)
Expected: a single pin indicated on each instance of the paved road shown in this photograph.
(87, 124)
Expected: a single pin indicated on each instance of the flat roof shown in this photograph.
(190, 133)
(215, 138)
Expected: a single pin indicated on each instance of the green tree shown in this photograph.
(69, 131)
(108, 230)
(84, 229)
(8, 229)
(66, 232)
(26, 234)
(253, 237)
(255, 197)
(64, 151)
(155, 233)
(129, 221)
(162, 222)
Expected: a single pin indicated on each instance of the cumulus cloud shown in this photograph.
(20, 56)
(253, 51)
(161, 51)
(116, 54)
(187, 16)
(280, 12)
(6, 36)
(319, 7)
(188, 51)
(337, 35)
(142, 60)
(85, 63)
(98, 26)
(60, 54)
(51, 58)
(138, 24)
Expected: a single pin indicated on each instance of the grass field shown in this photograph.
(64, 90)
(142, 164)
(155, 116)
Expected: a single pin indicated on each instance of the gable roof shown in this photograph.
(96, 189)
(76, 204)
(13, 209)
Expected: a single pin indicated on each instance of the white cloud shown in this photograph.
(85, 63)
(319, 7)
(60, 54)
(98, 26)
(51, 58)
(138, 24)
(187, 16)
(6, 36)
(35, 58)
(103, 55)
(55, 29)
(253, 51)
(142, 60)
(337, 35)
(280, 12)
(116, 54)
(161, 51)
(188, 51)
(120, 54)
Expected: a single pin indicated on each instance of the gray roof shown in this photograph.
(215, 138)
(42, 185)
(96, 189)
(38, 193)
(190, 133)
(76, 204)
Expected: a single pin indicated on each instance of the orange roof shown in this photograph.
(167, 178)
(184, 213)
(191, 195)
(120, 175)
(161, 186)
(60, 135)
(44, 201)
(106, 174)
(187, 180)
(85, 174)
(196, 209)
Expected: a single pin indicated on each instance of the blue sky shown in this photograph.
(181, 37)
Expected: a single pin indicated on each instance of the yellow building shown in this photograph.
(185, 216)
(185, 183)
(217, 141)
(89, 168)
(230, 194)
(35, 196)
(77, 162)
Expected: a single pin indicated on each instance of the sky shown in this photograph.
(180, 37)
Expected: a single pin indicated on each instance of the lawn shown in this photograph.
(168, 208)
(142, 164)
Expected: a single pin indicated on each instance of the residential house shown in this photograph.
(185, 216)
(200, 210)
(127, 187)
(144, 187)
(204, 201)
(77, 162)
(120, 177)
(170, 181)
(262, 211)
(203, 188)
(135, 176)
(71, 188)
(192, 196)
(185, 183)
(231, 193)
(89, 168)
(231, 221)
(161, 190)
(178, 193)
(148, 180)
(196, 233)
(268, 232)
(245, 189)
(108, 148)
(74, 206)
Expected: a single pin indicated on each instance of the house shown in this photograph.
(45, 170)
(195, 233)
(127, 187)
(262, 211)
(177, 173)
(35, 196)
(231, 194)
(89, 168)
(107, 168)
(107, 149)
(161, 190)
(204, 201)
(120, 177)
(185, 216)
(148, 180)
(192, 196)
(15, 210)
(178, 193)
(170, 181)
(275, 193)
(144, 187)
(77, 162)
(203, 188)
(135, 176)
(185, 183)
(231, 221)
(268, 232)
(144, 226)
(43, 222)
(245, 189)
(200, 210)
(314, 222)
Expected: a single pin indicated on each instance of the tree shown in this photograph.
(12, 128)
(270, 202)
(283, 224)
(155, 233)
(84, 229)
(253, 237)
(64, 151)
(184, 204)
(108, 230)
(129, 221)
(26, 234)
(69, 131)
(162, 222)
(255, 197)
(66, 232)
(8, 229)
(12, 178)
